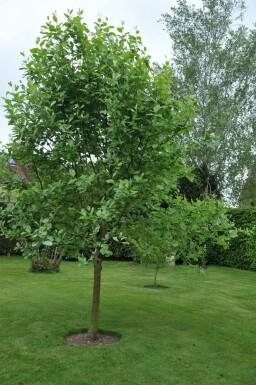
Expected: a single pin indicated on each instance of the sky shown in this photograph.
(20, 23)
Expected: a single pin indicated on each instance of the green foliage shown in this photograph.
(247, 197)
(94, 152)
(44, 264)
(182, 230)
(205, 221)
(242, 251)
(214, 61)
(120, 249)
(203, 184)
(150, 240)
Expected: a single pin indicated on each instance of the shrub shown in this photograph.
(242, 250)
(47, 261)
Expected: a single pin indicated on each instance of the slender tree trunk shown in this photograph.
(156, 271)
(207, 186)
(93, 331)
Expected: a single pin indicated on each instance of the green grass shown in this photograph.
(199, 331)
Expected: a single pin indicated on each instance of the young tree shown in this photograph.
(150, 240)
(183, 230)
(98, 130)
(214, 60)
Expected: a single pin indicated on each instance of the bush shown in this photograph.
(242, 250)
(43, 264)
(46, 262)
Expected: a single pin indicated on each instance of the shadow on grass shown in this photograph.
(157, 287)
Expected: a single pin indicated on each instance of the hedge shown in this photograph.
(242, 250)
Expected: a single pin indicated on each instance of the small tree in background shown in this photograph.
(204, 221)
(150, 241)
(182, 230)
(99, 131)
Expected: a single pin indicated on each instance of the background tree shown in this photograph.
(150, 241)
(99, 131)
(214, 60)
(247, 197)
(182, 230)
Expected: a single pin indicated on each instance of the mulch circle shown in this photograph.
(81, 339)
(157, 287)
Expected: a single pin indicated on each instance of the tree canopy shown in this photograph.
(214, 62)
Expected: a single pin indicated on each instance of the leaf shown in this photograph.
(157, 108)
(116, 76)
(105, 250)
(48, 242)
(233, 233)
(83, 261)
(34, 50)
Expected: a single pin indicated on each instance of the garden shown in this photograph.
(126, 224)
(199, 330)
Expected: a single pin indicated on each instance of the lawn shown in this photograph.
(199, 331)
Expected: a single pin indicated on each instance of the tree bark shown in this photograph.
(97, 261)
(155, 275)
(93, 331)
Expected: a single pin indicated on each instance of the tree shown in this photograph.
(150, 240)
(214, 61)
(98, 130)
(182, 230)
(247, 197)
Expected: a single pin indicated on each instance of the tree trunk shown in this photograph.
(156, 271)
(93, 331)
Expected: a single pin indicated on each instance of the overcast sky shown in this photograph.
(20, 22)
